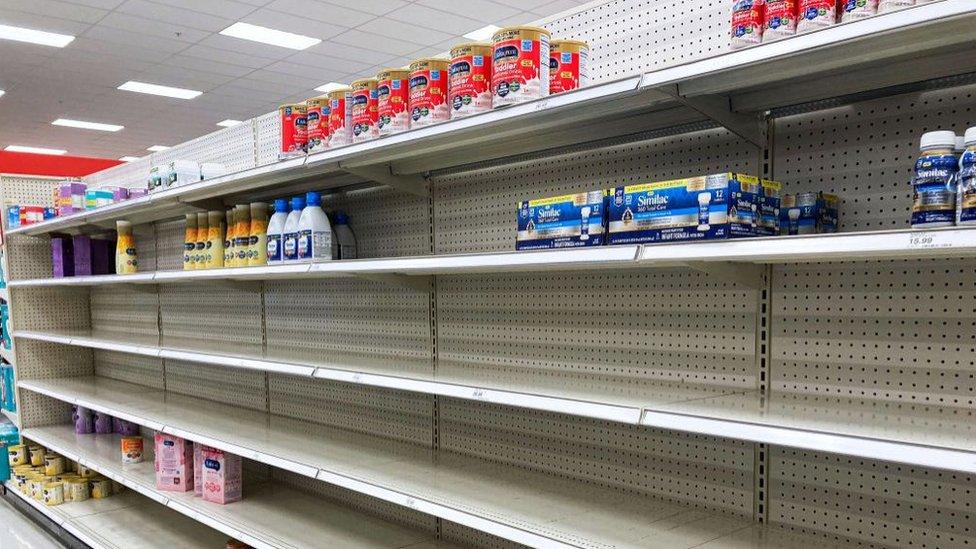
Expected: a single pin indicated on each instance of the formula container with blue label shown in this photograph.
(934, 181)
(966, 199)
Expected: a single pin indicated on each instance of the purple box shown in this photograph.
(62, 256)
(137, 193)
(83, 255)
(119, 194)
(103, 257)
(71, 198)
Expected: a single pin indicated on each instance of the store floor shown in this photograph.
(19, 532)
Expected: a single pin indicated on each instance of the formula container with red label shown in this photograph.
(318, 123)
(568, 65)
(294, 129)
(340, 116)
(885, 6)
(392, 100)
(779, 20)
(855, 10)
(816, 14)
(747, 22)
(470, 79)
(365, 113)
(520, 65)
(428, 92)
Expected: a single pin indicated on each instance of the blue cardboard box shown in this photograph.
(565, 221)
(769, 205)
(715, 206)
(809, 213)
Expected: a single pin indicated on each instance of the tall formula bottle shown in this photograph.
(315, 239)
(345, 237)
(289, 236)
(276, 229)
(934, 181)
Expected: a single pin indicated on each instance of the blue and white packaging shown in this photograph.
(722, 205)
(809, 213)
(566, 221)
(769, 204)
(13, 216)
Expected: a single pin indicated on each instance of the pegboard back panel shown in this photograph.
(37, 410)
(267, 138)
(142, 370)
(865, 152)
(386, 222)
(871, 503)
(469, 537)
(633, 36)
(233, 147)
(29, 256)
(707, 472)
(46, 360)
(646, 334)
(350, 323)
(146, 246)
(475, 211)
(892, 331)
(27, 190)
(127, 313)
(170, 237)
(51, 309)
(211, 317)
(132, 175)
(235, 386)
(387, 413)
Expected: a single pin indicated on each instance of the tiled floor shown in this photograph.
(19, 532)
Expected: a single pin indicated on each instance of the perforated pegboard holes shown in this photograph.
(386, 222)
(124, 312)
(29, 256)
(142, 370)
(51, 309)
(871, 503)
(864, 152)
(224, 319)
(235, 386)
(37, 410)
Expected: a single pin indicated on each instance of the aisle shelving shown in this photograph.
(12, 416)
(271, 515)
(126, 521)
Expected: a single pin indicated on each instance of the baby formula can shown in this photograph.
(470, 79)
(76, 490)
(934, 181)
(86, 472)
(747, 22)
(520, 65)
(340, 117)
(294, 129)
(855, 10)
(568, 65)
(966, 200)
(816, 14)
(885, 6)
(36, 456)
(779, 20)
(317, 115)
(36, 483)
(53, 465)
(132, 449)
(365, 112)
(18, 455)
(100, 487)
(428, 92)
(53, 494)
(392, 100)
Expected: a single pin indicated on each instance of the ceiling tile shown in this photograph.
(289, 23)
(184, 78)
(376, 7)
(308, 79)
(206, 65)
(524, 4)
(101, 47)
(64, 10)
(346, 51)
(327, 62)
(175, 16)
(149, 27)
(245, 47)
(242, 59)
(557, 7)
(386, 34)
(484, 11)
(128, 38)
(221, 8)
(423, 16)
(104, 4)
(319, 11)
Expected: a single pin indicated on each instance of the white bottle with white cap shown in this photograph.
(345, 237)
(315, 239)
(289, 236)
(934, 181)
(966, 199)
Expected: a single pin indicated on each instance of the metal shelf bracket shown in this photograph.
(718, 108)
(747, 274)
(422, 283)
(414, 184)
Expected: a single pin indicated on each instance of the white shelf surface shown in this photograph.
(126, 521)
(270, 516)
(854, 246)
(520, 505)
(7, 354)
(5, 294)
(12, 416)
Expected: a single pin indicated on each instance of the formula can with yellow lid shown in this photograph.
(428, 92)
(76, 490)
(470, 78)
(520, 65)
(365, 111)
(53, 464)
(568, 65)
(392, 100)
(18, 455)
(99, 487)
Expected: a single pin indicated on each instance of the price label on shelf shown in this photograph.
(923, 240)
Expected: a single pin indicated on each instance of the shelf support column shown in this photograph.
(414, 184)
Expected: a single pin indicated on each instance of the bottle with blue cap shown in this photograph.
(289, 235)
(276, 230)
(315, 240)
(344, 236)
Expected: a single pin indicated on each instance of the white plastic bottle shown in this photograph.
(289, 236)
(345, 237)
(315, 239)
(276, 230)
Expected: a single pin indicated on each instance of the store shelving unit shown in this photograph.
(713, 394)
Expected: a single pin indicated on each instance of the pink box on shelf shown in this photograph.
(221, 476)
(174, 463)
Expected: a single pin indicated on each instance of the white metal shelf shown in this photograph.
(7, 354)
(517, 504)
(266, 518)
(5, 294)
(12, 416)
(126, 521)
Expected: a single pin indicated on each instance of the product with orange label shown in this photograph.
(779, 20)
(201, 252)
(747, 22)
(126, 259)
(189, 243)
(229, 238)
(428, 92)
(392, 99)
(340, 117)
(258, 239)
(568, 65)
(215, 239)
(317, 117)
(242, 235)
(294, 129)
(132, 449)
(365, 112)
(470, 79)
(520, 65)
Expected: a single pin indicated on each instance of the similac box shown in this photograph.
(566, 221)
(174, 463)
(221, 476)
(707, 207)
(767, 223)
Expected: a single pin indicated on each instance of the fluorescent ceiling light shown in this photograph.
(155, 89)
(326, 88)
(87, 125)
(35, 150)
(229, 123)
(129, 158)
(2, 92)
(21, 34)
(484, 33)
(265, 35)
(158, 148)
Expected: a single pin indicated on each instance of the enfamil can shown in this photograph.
(568, 65)
(520, 65)
(365, 112)
(428, 92)
(294, 129)
(340, 117)
(470, 79)
(318, 122)
(392, 99)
